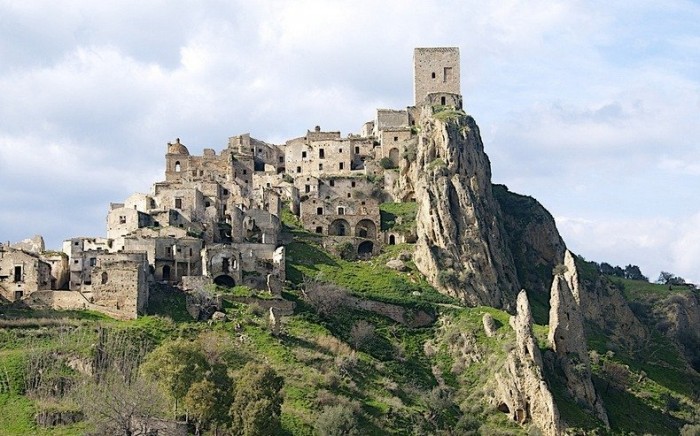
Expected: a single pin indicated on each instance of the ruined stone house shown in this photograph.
(215, 218)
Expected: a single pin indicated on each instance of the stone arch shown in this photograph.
(225, 280)
(178, 167)
(165, 273)
(392, 240)
(394, 155)
(339, 227)
(366, 229)
(365, 249)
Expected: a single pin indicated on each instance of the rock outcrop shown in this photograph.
(534, 241)
(602, 304)
(568, 340)
(522, 388)
(461, 247)
(678, 317)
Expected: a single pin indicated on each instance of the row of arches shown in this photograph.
(364, 229)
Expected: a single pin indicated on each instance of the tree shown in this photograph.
(667, 278)
(606, 269)
(257, 401)
(633, 272)
(208, 400)
(176, 365)
(116, 405)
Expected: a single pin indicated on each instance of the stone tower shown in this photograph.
(435, 70)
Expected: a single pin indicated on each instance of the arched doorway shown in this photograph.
(392, 240)
(225, 281)
(339, 227)
(366, 229)
(166, 273)
(365, 249)
(394, 155)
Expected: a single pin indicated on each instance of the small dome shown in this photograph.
(177, 148)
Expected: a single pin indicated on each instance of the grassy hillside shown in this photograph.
(391, 378)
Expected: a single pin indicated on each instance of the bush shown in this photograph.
(386, 163)
(361, 333)
(559, 270)
(346, 251)
(410, 153)
(448, 277)
(336, 420)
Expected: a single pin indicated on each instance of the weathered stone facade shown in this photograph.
(215, 216)
(22, 273)
(436, 69)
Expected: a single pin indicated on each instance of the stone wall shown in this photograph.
(22, 273)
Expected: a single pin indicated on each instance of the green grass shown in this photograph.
(369, 279)
(399, 217)
(640, 289)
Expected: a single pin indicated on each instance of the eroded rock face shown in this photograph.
(568, 340)
(461, 246)
(533, 238)
(522, 388)
(603, 304)
(678, 317)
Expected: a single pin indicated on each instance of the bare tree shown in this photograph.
(119, 406)
(326, 298)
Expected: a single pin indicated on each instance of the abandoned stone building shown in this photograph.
(215, 218)
(22, 273)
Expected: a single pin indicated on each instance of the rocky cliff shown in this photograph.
(535, 245)
(603, 306)
(461, 245)
(522, 388)
(568, 340)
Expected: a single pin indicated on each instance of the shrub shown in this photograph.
(361, 333)
(346, 251)
(386, 163)
(326, 298)
(346, 363)
(336, 420)
(559, 270)
(410, 153)
(448, 277)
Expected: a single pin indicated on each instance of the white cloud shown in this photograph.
(591, 107)
(654, 244)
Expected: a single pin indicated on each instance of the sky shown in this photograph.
(591, 107)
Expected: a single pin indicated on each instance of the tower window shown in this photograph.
(319, 211)
(298, 169)
(446, 74)
(321, 153)
(177, 166)
(303, 155)
(340, 166)
(433, 75)
(178, 203)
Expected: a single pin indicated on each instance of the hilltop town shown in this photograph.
(215, 218)
(418, 296)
